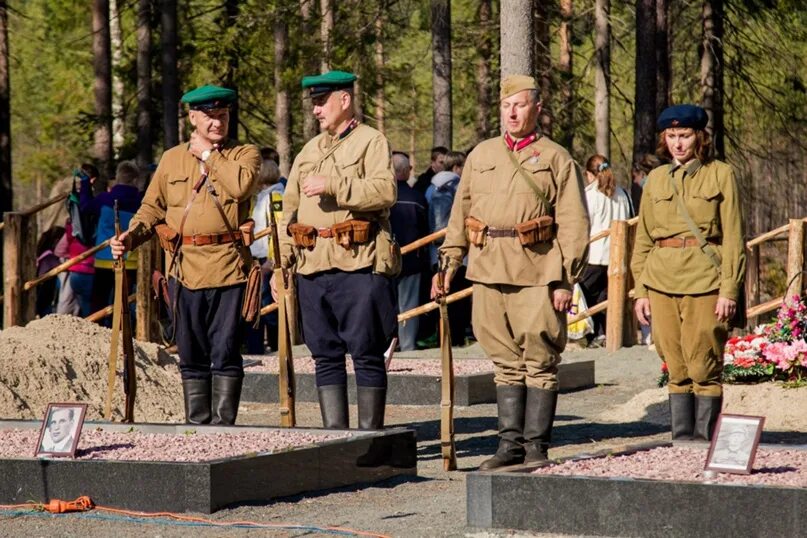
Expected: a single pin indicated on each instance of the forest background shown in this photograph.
(100, 80)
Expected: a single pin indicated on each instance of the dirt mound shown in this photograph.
(64, 359)
(782, 408)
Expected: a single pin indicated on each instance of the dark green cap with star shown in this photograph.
(328, 82)
(209, 97)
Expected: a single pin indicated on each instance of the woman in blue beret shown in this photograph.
(689, 266)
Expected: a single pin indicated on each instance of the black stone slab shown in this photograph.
(578, 505)
(208, 486)
(469, 389)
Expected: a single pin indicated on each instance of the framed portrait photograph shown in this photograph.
(60, 430)
(734, 444)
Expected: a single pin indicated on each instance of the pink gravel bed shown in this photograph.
(429, 367)
(781, 467)
(139, 446)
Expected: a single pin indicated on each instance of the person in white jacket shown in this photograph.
(607, 202)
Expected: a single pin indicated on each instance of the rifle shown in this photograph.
(284, 353)
(449, 450)
(121, 323)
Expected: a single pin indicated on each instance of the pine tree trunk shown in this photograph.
(644, 117)
(231, 10)
(380, 105)
(712, 71)
(282, 97)
(663, 56)
(565, 68)
(441, 72)
(170, 77)
(144, 143)
(310, 126)
(516, 38)
(543, 62)
(116, 43)
(602, 77)
(483, 78)
(326, 33)
(102, 87)
(6, 185)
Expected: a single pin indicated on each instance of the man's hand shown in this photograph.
(562, 300)
(314, 185)
(436, 291)
(725, 309)
(642, 309)
(273, 286)
(117, 245)
(199, 145)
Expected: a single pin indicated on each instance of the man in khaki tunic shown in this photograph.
(209, 271)
(336, 236)
(521, 218)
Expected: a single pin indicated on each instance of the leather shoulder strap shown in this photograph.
(693, 228)
(237, 244)
(196, 188)
(523, 174)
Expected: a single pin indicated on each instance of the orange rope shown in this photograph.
(83, 504)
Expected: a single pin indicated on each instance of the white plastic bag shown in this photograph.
(581, 328)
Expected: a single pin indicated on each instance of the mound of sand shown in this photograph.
(64, 359)
(782, 408)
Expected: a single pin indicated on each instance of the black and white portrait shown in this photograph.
(61, 428)
(734, 444)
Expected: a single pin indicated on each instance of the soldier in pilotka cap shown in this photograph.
(521, 218)
(196, 201)
(336, 236)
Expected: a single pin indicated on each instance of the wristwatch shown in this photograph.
(205, 155)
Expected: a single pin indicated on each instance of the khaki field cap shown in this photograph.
(513, 84)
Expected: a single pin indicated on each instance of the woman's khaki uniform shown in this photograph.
(681, 281)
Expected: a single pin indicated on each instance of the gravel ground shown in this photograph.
(432, 504)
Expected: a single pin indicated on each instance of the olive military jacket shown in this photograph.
(360, 185)
(492, 190)
(232, 172)
(712, 200)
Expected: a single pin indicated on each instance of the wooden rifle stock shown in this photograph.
(288, 418)
(448, 448)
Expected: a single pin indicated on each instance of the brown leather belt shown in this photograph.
(199, 240)
(325, 233)
(680, 242)
(501, 232)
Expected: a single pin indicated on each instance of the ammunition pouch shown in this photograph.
(251, 305)
(343, 233)
(303, 236)
(168, 237)
(537, 230)
(247, 230)
(476, 230)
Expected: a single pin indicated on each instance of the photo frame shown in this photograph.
(734, 444)
(60, 430)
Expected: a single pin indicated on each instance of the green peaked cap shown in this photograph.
(209, 97)
(328, 82)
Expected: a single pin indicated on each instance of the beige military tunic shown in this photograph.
(360, 185)
(682, 283)
(232, 172)
(513, 316)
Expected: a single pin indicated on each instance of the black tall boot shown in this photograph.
(226, 396)
(197, 400)
(707, 409)
(510, 400)
(682, 416)
(371, 401)
(333, 406)
(538, 419)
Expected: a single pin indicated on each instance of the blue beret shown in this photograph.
(209, 97)
(691, 116)
(328, 82)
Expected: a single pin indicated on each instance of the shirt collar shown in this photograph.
(519, 144)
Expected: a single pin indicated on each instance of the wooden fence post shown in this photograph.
(148, 259)
(752, 292)
(795, 259)
(617, 285)
(19, 266)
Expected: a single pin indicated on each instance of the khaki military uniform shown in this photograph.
(347, 296)
(232, 173)
(682, 283)
(513, 316)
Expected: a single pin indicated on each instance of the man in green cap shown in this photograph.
(197, 199)
(336, 236)
(520, 217)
